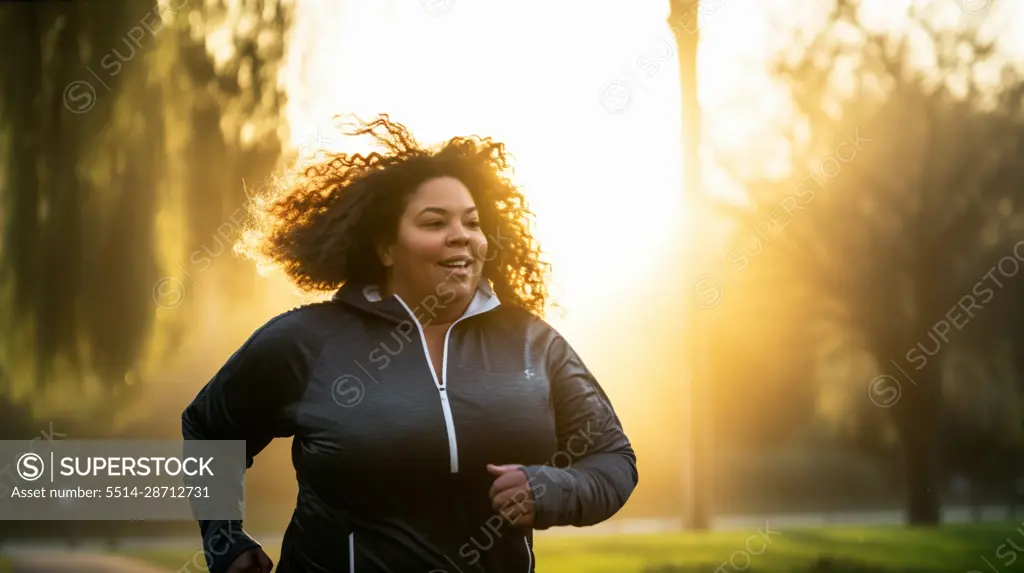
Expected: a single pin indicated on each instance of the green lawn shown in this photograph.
(5, 565)
(947, 549)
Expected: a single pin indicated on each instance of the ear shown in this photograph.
(384, 254)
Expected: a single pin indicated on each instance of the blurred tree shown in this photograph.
(984, 437)
(127, 129)
(683, 20)
(907, 180)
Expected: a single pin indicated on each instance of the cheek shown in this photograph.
(420, 245)
(478, 244)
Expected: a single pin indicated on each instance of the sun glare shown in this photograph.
(602, 175)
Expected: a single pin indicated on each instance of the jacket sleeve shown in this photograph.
(249, 399)
(594, 471)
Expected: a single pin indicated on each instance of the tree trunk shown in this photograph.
(916, 416)
(682, 21)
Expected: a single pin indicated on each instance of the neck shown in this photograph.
(429, 309)
(439, 315)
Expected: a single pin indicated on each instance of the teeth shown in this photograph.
(457, 264)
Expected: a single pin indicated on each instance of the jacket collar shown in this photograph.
(367, 297)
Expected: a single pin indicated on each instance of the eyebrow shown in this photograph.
(442, 211)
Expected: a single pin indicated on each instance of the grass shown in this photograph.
(946, 549)
(5, 565)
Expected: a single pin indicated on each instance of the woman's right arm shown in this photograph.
(251, 398)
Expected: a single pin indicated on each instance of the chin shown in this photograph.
(451, 287)
(462, 288)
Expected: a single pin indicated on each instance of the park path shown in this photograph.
(79, 562)
(47, 557)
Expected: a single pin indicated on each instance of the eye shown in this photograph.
(434, 223)
(474, 224)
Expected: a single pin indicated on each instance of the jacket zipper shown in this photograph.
(352, 552)
(442, 385)
(529, 555)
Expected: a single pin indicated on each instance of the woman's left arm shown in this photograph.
(594, 471)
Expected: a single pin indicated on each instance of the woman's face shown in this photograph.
(440, 248)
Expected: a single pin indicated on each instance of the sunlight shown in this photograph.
(605, 186)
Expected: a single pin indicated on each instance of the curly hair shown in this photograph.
(321, 224)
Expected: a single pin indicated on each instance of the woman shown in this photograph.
(437, 419)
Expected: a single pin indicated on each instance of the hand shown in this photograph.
(252, 561)
(511, 494)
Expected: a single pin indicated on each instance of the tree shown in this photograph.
(698, 500)
(907, 180)
(122, 135)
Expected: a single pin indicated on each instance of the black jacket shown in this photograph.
(390, 461)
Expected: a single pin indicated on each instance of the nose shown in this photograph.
(458, 235)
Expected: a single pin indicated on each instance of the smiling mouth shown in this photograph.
(457, 263)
